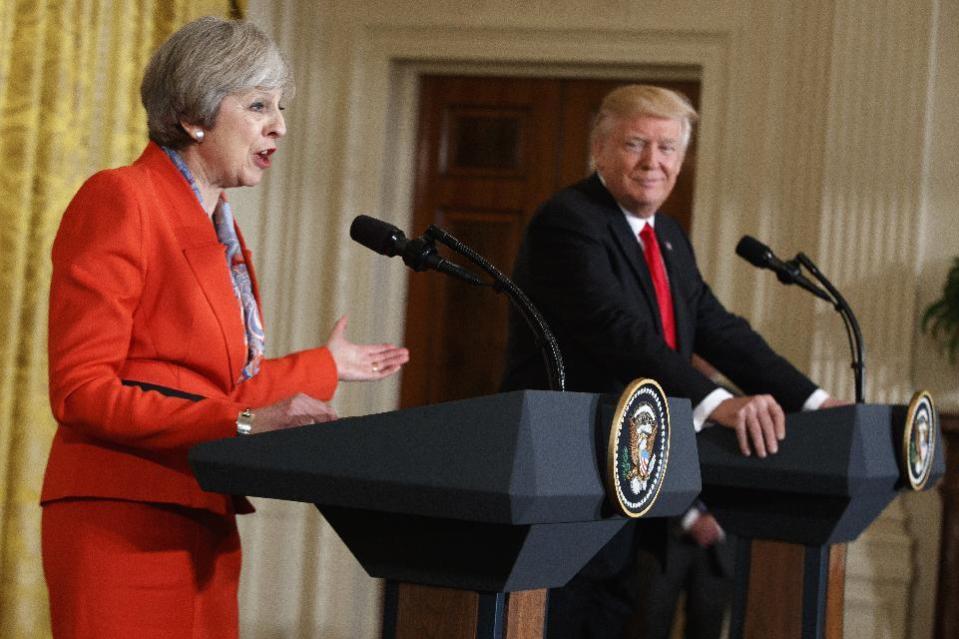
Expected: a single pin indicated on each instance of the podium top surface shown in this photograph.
(519, 457)
(836, 470)
(840, 452)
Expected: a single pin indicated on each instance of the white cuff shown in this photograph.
(816, 400)
(689, 518)
(706, 407)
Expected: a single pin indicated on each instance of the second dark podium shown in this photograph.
(794, 512)
(468, 509)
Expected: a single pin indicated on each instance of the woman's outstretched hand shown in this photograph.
(363, 362)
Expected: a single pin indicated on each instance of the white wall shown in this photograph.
(828, 127)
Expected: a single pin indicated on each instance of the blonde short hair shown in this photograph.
(643, 99)
(199, 65)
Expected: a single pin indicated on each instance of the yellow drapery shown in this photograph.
(70, 75)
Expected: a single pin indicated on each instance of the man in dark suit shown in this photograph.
(619, 286)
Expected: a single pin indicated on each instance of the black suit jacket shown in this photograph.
(584, 269)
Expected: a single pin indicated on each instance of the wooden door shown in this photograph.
(490, 150)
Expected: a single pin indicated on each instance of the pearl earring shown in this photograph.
(199, 135)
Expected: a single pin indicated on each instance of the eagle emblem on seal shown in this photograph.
(920, 445)
(642, 440)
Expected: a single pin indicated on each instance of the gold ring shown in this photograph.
(376, 369)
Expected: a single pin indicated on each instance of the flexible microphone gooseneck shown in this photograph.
(761, 256)
(537, 324)
(420, 254)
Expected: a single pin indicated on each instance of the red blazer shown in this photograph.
(141, 291)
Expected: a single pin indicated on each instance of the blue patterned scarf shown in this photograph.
(239, 275)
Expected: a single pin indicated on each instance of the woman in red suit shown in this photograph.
(155, 344)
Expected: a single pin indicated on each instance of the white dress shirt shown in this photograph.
(704, 409)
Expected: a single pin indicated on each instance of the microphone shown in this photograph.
(761, 256)
(419, 254)
(377, 235)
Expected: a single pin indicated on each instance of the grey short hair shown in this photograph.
(643, 99)
(199, 65)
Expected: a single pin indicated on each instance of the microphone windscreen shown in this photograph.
(754, 251)
(376, 235)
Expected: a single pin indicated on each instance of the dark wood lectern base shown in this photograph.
(788, 591)
(412, 611)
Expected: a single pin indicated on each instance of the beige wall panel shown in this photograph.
(828, 128)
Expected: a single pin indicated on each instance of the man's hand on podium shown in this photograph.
(757, 419)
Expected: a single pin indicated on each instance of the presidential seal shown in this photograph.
(919, 439)
(638, 447)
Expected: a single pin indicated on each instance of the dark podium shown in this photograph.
(834, 474)
(469, 509)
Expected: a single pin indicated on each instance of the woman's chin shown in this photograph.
(251, 179)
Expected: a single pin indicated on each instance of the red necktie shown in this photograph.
(654, 260)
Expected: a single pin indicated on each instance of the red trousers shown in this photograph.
(139, 570)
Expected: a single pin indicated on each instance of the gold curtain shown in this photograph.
(70, 75)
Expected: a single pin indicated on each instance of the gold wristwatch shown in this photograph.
(244, 422)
